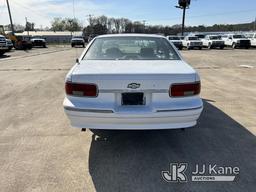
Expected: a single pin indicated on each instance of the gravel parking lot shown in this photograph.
(40, 152)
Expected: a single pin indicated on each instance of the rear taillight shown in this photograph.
(80, 89)
(185, 89)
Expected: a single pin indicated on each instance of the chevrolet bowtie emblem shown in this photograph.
(133, 86)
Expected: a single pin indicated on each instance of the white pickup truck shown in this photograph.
(252, 37)
(3, 45)
(191, 42)
(176, 41)
(213, 41)
(236, 41)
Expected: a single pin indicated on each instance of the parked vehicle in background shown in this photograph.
(252, 37)
(213, 41)
(200, 36)
(3, 45)
(181, 37)
(9, 44)
(132, 82)
(191, 42)
(237, 41)
(22, 43)
(38, 41)
(176, 41)
(77, 41)
(19, 42)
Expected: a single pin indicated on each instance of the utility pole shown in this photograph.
(255, 24)
(27, 26)
(183, 4)
(10, 16)
(144, 26)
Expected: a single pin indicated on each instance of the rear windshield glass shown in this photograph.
(131, 48)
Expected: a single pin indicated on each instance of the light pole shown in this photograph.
(10, 16)
(183, 4)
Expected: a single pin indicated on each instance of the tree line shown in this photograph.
(103, 25)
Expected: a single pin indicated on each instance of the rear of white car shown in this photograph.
(132, 94)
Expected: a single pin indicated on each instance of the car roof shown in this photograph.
(130, 35)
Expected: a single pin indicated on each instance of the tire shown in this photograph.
(234, 45)
(209, 46)
(180, 48)
(222, 47)
(1, 53)
(200, 48)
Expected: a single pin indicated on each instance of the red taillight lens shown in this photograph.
(186, 89)
(79, 89)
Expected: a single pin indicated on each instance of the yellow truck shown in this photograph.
(19, 42)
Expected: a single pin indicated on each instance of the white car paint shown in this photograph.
(190, 44)
(113, 78)
(252, 37)
(210, 42)
(233, 42)
(176, 41)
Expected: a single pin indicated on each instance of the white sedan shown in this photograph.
(132, 82)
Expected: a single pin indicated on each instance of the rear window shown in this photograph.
(131, 48)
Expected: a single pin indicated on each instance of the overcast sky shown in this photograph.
(206, 12)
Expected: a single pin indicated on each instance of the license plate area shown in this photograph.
(133, 99)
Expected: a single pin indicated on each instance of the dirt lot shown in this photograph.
(40, 152)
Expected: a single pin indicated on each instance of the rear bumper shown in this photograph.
(107, 119)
